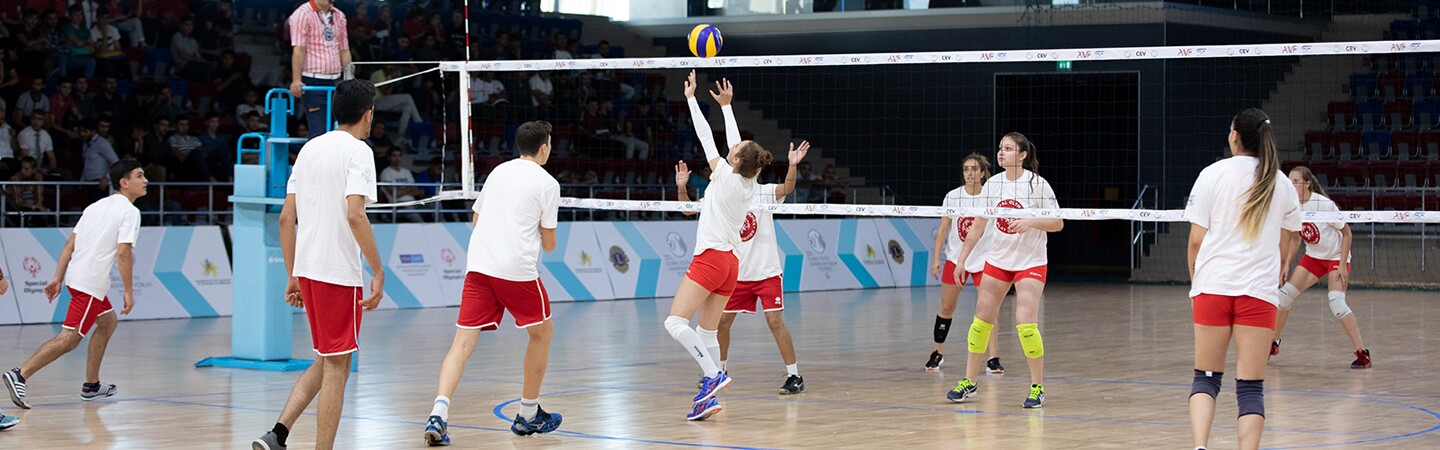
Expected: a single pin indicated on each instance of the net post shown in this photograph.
(467, 164)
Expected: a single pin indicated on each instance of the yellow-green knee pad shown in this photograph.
(1030, 340)
(980, 335)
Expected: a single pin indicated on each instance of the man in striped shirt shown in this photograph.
(321, 52)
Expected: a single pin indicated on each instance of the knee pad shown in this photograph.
(980, 335)
(1337, 304)
(1287, 296)
(1030, 340)
(1207, 383)
(942, 329)
(676, 325)
(708, 337)
(1250, 397)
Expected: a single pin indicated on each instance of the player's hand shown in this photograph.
(4, 286)
(959, 274)
(295, 88)
(726, 94)
(128, 303)
(52, 289)
(1342, 276)
(690, 85)
(1020, 226)
(798, 153)
(292, 293)
(682, 175)
(935, 266)
(377, 291)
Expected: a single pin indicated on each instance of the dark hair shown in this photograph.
(88, 125)
(531, 136)
(120, 170)
(753, 157)
(1258, 136)
(1032, 161)
(1315, 186)
(980, 160)
(352, 99)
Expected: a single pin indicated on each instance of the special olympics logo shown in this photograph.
(619, 260)
(448, 256)
(747, 232)
(964, 227)
(817, 241)
(1004, 224)
(676, 244)
(897, 253)
(31, 266)
(1310, 233)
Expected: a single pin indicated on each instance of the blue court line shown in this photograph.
(502, 417)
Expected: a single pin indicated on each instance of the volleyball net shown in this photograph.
(1120, 133)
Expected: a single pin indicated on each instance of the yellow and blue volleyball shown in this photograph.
(705, 40)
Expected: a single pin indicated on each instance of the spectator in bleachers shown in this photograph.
(122, 19)
(99, 155)
(109, 103)
(602, 50)
(221, 14)
(232, 80)
(28, 197)
(157, 145)
(401, 51)
(434, 26)
(32, 101)
(62, 106)
(56, 6)
(380, 138)
(384, 23)
(395, 172)
(8, 162)
(429, 49)
(31, 38)
(102, 128)
(249, 103)
(168, 12)
(542, 94)
(501, 49)
(253, 124)
(88, 9)
(81, 97)
(165, 106)
(79, 50)
(359, 16)
(805, 179)
(190, 64)
(214, 40)
(625, 134)
(35, 142)
(427, 99)
(514, 52)
(414, 24)
(187, 160)
(136, 143)
(9, 76)
(219, 149)
(560, 46)
(456, 36)
(387, 100)
(364, 45)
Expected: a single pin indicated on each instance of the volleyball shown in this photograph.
(705, 40)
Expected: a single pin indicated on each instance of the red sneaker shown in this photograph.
(1362, 359)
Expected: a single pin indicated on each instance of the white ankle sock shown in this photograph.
(529, 408)
(792, 369)
(724, 365)
(442, 408)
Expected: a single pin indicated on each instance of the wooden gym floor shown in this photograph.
(1119, 365)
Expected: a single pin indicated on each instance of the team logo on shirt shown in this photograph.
(31, 266)
(1310, 233)
(897, 253)
(1004, 224)
(619, 260)
(676, 244)
(747, 232)
(964, 227)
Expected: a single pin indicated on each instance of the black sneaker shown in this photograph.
(90, 393)
(1036, 398)
(936, 359)
(993, 365)
(794, 384)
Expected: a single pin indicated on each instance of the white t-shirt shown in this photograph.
(35, 143)
(104, 225)
(758, 252)
(7, 144)
(393, 175)
(1011, 251)
(960, 229)
(518, 199)
(542, 85)
(722, 214)
(331, 167)
(1227, 263)
(1322, 240)
(481, 90)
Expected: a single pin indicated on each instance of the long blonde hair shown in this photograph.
(1257, 135)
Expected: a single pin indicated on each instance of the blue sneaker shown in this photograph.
(1036, 398)
(710, 386)
(702, 411)
(963, 390)
(543, 422)
(8, 421)
(435, 434)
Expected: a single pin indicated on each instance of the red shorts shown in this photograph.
(1320, 267)
(334, 313)
(1225, 310)
(485, 299)
(715, 271)
(767, 292)
(947, 275)
(84, 311)
(1014, 276)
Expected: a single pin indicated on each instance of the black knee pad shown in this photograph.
(1250, 397)
(1207, 383)
(942, 329)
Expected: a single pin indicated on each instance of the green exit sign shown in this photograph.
(1063, 66)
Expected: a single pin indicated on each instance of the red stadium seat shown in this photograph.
(1319, 145)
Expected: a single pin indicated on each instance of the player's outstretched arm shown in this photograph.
(796, 154)
(724, 96)
(702, 127)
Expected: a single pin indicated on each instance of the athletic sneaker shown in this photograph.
(1275, 347)
(8, 421)
(794, 384)
(963, 390)
(15, 385)
(936, 359)
(701, 384)
(1362, 359)
(435, 432)
(268, 441)
(1036, 398)
(90, 393)
(993, 365)
(543, 422)
(710, 386)
(704, 410)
